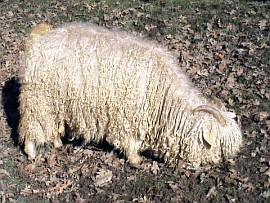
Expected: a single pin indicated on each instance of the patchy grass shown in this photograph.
(222, 45)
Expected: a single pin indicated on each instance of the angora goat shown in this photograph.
(108, 85)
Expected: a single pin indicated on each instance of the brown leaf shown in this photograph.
(26, 191)
(103, 177)
(37, 191)
(267, 183)
(176, 188)
(30, 167)
(230, 199)
(230, 101)
(60, 187)
(4, 172)
(74, 169)
(211, 193)
(87, 153)
(265, 194)
(51, 159)
(149, 27)
(132, 177)
(262, 115)
(81, 200)
(262, 24)
(240, 71)
(230, 81)
(248, 186)
(183, 19)
(267, 172)
(253, 12)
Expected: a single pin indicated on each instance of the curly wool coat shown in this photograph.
(108, 85)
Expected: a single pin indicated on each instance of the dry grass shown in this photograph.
(225, 50)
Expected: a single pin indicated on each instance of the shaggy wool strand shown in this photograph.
(86, 81)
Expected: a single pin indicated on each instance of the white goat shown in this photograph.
(108, 85)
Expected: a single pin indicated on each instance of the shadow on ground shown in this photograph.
(10, 102)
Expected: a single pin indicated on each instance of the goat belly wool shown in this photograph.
(86, 81)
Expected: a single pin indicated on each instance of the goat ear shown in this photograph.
(209, 136)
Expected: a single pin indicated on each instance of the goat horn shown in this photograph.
(217, 101)
(213, 111)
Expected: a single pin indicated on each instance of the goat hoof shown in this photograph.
(57, 143)
(30, 149)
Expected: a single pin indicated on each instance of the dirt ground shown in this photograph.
(224, 48)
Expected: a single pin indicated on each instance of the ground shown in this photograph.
(224, 48)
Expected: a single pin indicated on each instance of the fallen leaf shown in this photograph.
(262, 24)
(30, 167)
(262, 115)
(230, 199)
(103, 177)
(267, 172)
(4, 172)
(26, 191)
(211, 193)
(265, 194)
(130, 178)
(230, 101)
(51, 159)
(60, 187)
(230, 81)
